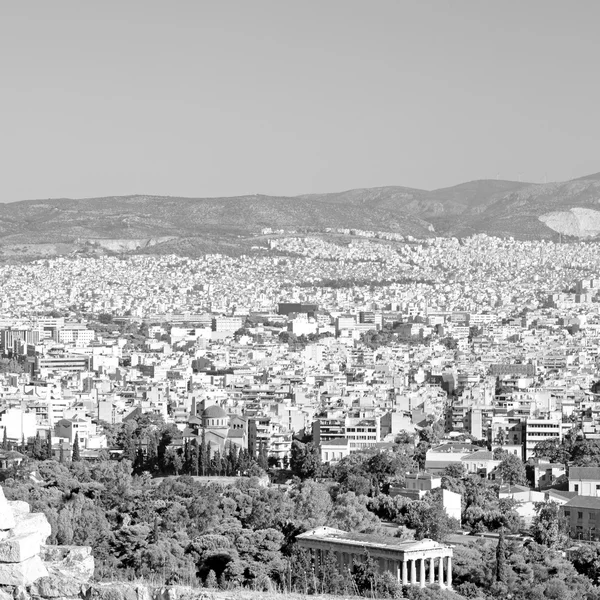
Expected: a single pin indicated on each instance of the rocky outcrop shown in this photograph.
(578, 222)
(28, 567)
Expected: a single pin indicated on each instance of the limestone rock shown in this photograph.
(19, 548)
(69, 553)
(112, 591)
(7, 518)
(19, 507)
(21, 593)
(57, 585)
(35, 523)
(179, 592)
(74, 562)
(23, 573)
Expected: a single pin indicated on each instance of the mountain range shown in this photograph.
(193, 226)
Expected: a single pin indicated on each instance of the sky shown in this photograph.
(280, 97)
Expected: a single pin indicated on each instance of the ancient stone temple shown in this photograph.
(419, 563)
(28, 566)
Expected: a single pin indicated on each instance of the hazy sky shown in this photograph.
(201, 98)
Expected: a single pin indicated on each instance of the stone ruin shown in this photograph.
(31, 569)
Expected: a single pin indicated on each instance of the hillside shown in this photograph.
(193, 226)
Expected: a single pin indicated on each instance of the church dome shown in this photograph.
(215, 417)
(214, 412)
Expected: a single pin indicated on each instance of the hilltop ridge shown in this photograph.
(163, 224)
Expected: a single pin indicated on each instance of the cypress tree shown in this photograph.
(76, 456)
(152, 453)
(207, 459)
(501, 574)
(211, 580)
(217, 463)
(204, 453)
(37, 447)
(263, 461)
(232, 460)
(48, 448)
(61, 456)
(186, 457)
(196, 459)
(5, 440)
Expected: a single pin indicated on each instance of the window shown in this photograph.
(567, 513)
(579, 515)
(592, 516)
(576, 487)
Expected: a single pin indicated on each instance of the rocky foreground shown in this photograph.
(30, 568)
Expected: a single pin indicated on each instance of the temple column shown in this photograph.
(441, 572)
(431, 570)
(449, 571)
(413, 572)
(422, 573)
(404, 572)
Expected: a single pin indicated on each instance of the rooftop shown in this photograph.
(584, 502)
(369, 540)
(585, 473)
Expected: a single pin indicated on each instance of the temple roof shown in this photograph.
(369, 540)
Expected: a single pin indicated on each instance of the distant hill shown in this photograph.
(198, 225)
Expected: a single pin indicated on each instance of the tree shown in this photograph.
(5, 440)
(211, 580)
(586, 453)
(76, 457)
(429, 520)
(455, 471)
(501, 569)
(312, 505)
(586, 559)
(204, 457)
(549, 527)
(61, 456)
(38, 447)
(511, 470)
(305, 460)
(350, 513)
(209, 461)
(552, 449)
(263, 461)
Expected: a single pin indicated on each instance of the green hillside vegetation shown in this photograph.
(180, 530)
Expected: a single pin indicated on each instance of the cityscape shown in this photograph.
(299, 300)
(415, 399)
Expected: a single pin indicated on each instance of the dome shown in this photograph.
(214, 412)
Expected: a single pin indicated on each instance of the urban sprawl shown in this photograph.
(348, 339)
